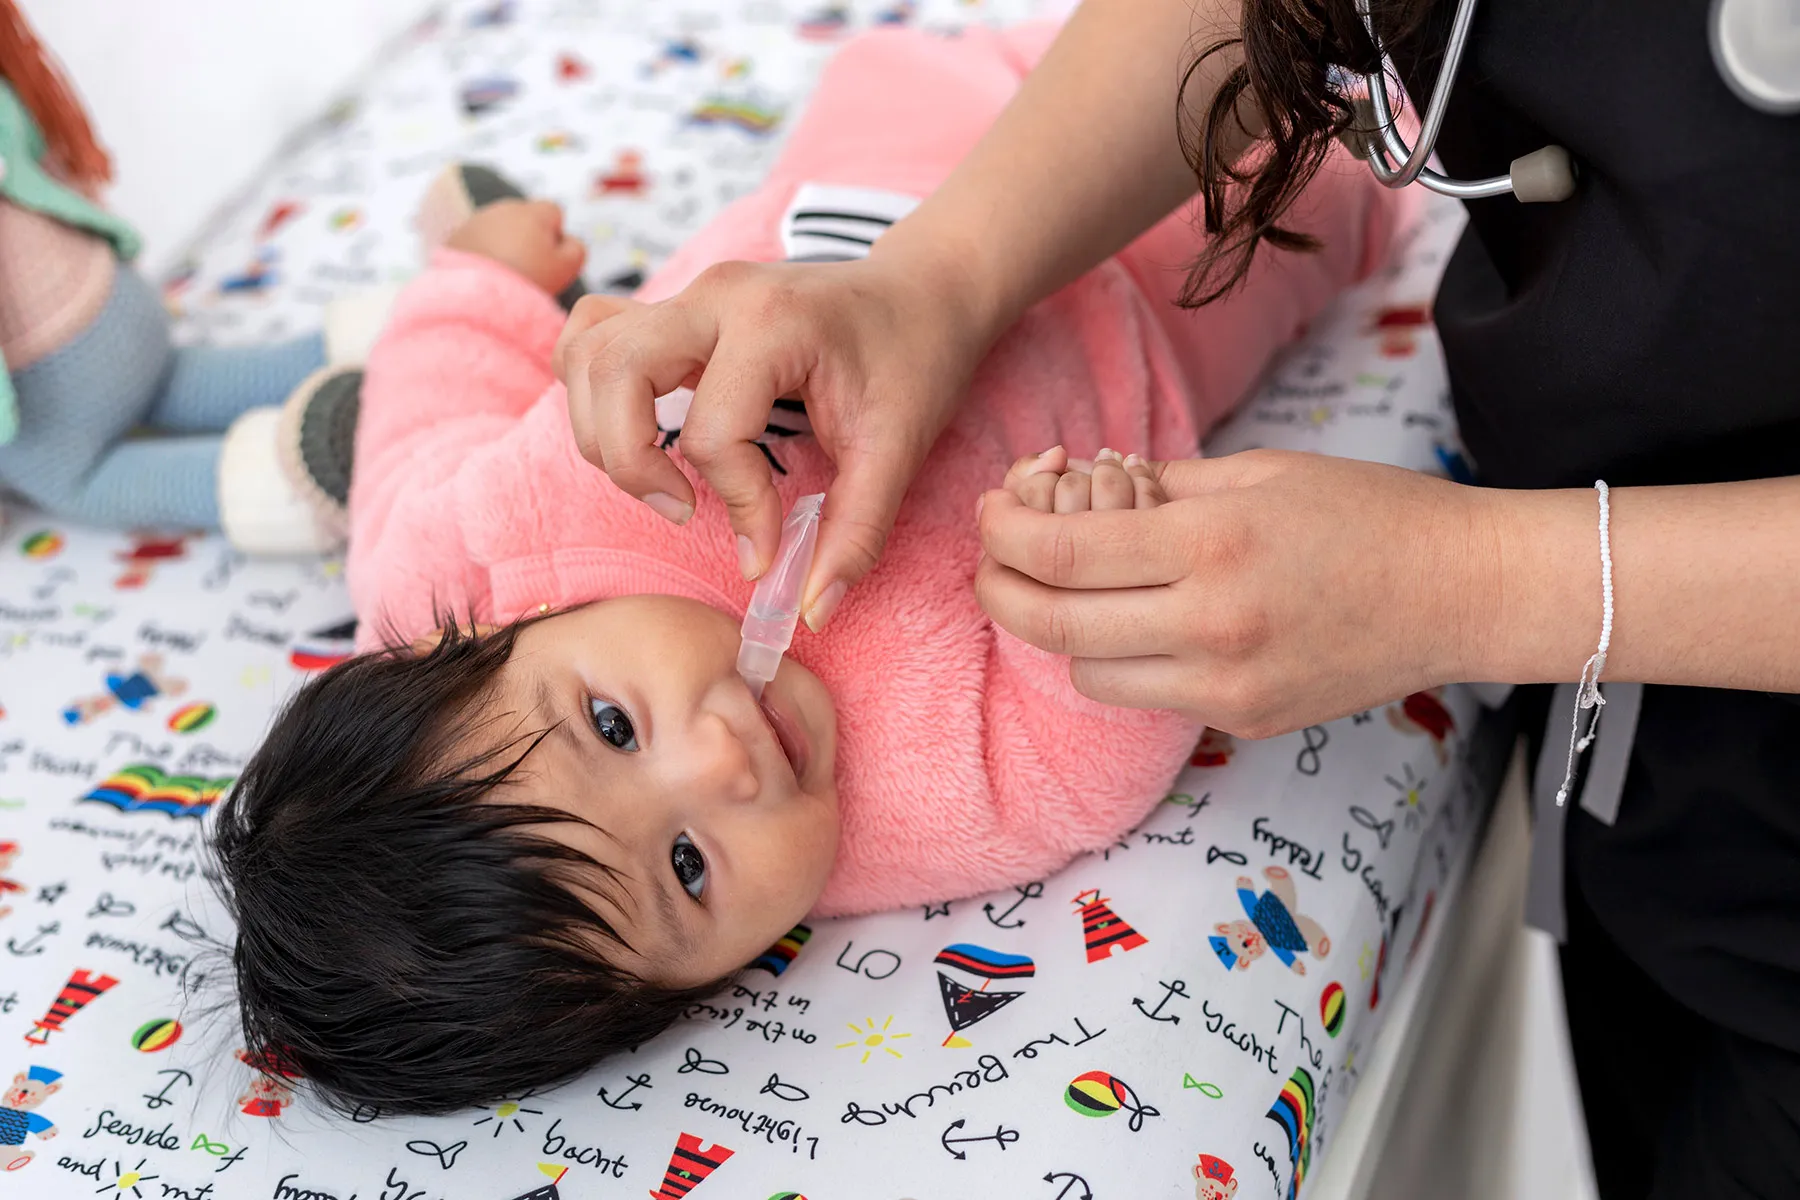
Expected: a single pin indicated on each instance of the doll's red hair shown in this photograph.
(41, 87)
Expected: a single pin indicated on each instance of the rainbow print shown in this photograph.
(146, 787)
(1331, 1008)
(191, 717)
(777, 958)
(1293, 1111)
(990, 964)
(742, 114)
(45, 543)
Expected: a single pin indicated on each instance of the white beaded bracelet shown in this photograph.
(1588, 696)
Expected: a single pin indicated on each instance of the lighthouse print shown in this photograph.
(82, 987)
(1102, 929)
(688, 1167)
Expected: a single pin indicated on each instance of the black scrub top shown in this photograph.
(1645, 331)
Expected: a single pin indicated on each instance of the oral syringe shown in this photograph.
(775, 605)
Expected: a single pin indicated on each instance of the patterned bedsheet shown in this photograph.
(1182, 1015)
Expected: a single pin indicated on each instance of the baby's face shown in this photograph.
(718, 813)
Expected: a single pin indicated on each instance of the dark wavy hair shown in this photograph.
(1292, 53)
(404, 941)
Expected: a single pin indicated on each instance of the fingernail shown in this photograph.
(669, 508)
(1107, 455)
(1133, 460)
(1050, 451)
(820, 613)
(980, 501)
(747, 560)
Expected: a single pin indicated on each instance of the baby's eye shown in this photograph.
(613, 725)
(689, 864)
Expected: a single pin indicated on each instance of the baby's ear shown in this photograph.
(50, 1089)
(1222, 927)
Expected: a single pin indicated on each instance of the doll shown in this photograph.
(88, 360)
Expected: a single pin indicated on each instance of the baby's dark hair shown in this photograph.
(404, 940)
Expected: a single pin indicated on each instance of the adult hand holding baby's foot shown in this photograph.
(526, 235)
(1052, 482)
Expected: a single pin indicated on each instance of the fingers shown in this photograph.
(1197, 476)
(1144, 681)
(1113, 488)
(1100, 550)
(614, 373)
(1098, 623)
(860, 508)
(730, 411)
(591, 310)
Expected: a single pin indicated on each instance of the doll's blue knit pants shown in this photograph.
(122, 428)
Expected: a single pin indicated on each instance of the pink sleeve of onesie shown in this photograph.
(465, 354)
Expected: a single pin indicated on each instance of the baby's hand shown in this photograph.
(526, 235)
(1053, 482)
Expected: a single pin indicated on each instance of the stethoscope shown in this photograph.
(1755, 44)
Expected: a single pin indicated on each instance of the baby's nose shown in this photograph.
(723, 766)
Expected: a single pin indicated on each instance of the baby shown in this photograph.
(542, 813)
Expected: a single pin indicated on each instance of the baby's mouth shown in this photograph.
(788, 734)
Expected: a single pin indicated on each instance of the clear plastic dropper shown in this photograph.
(775, 605)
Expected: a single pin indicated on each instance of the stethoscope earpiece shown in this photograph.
(1543, 175)
(1756, 46)
(1755, 43)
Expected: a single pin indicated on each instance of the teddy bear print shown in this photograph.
(1215, 1179)
(135, 691)
(268, 1091)
(17, 1116)
(1274, 926)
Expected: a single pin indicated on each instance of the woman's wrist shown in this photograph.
(954, 272)
(1532, 591)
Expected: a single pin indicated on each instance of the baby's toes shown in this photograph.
(1055, 460)
(1038, 491)
(1147, 491)
(1112, 486)
(1074, 492)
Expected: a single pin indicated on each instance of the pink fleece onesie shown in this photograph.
(966, 762)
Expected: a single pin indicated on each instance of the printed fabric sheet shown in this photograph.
(1181, 1015)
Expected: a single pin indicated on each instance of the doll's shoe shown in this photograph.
(316, 441)
(260, 511)
(453, 197)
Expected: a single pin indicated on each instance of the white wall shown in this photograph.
(191, 96)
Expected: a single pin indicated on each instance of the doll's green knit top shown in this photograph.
(24, 182)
